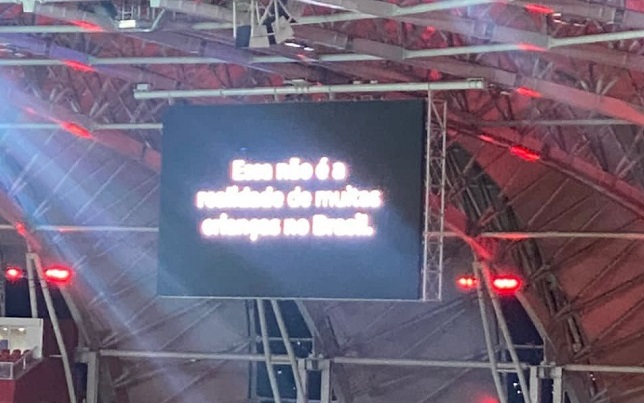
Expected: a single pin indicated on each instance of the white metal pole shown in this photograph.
(57, 332)
(33, 302)
(325, 382)
(267, 352)
(316, 89)
(302, 395)
(252, 333)
(510, 236)
(428, 195)
(442, 195)
(92, 377)
(397, 362)
(491, 353)
(535, 385)
(303, 373)
(586, 39)
(505, 332)
(557, 385)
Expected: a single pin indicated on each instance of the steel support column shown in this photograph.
(92, 377)
(326, 394)
(503, 326)
(31, 281)
(302, 395)
(54, 321)
(435, 181)
(535, 385)
(491, 352)
(557, 386)
(270, 370)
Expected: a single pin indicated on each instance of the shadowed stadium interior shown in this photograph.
(254, 201)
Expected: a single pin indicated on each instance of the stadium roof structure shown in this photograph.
(545, 175)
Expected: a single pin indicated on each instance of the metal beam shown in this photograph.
(195, 8)
(159, 126)
(360, 9)
(389, 10)
(556, 122)
(63, 56)
(95, 127)
(510, 236)
(318, 89)
(612, 14)
(466, 26)
(602, 104)
(229, 54)
(396, 362)
(121, 144)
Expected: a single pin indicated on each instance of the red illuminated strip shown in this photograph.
(88, 26)
(76, 130)
(539, 8)
(58, 274)
(528, 47)
(525, 154)
(486, 138)
(20, 229)
(13, 273)
(467, 282)
(78, 66)
(528, 92)
(506, 284)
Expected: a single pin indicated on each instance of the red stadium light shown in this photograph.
(528, 47)
(486, 138)
(539, 9)
(525, 154)
(528, 92)
(13, 273)
(76, 130)
(78, 66)
(88, 26)
(58, 274)
(20, 229)
(467, 282)
(506, 284)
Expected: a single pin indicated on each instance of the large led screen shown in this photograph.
(296, 200)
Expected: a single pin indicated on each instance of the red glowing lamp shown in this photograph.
(78, 66)
(506, 284)
(524, 153)
(539, 9)
(60, 275)
(88, 26)
(528, 92)
(13, 273)
(76, 130)
(467, 282)
(486, 138)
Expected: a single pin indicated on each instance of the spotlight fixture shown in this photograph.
(60, 275)
(506, 284)
(467, 282)
(13, 273)
(503, 284)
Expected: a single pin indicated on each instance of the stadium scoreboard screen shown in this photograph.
(297, 200)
